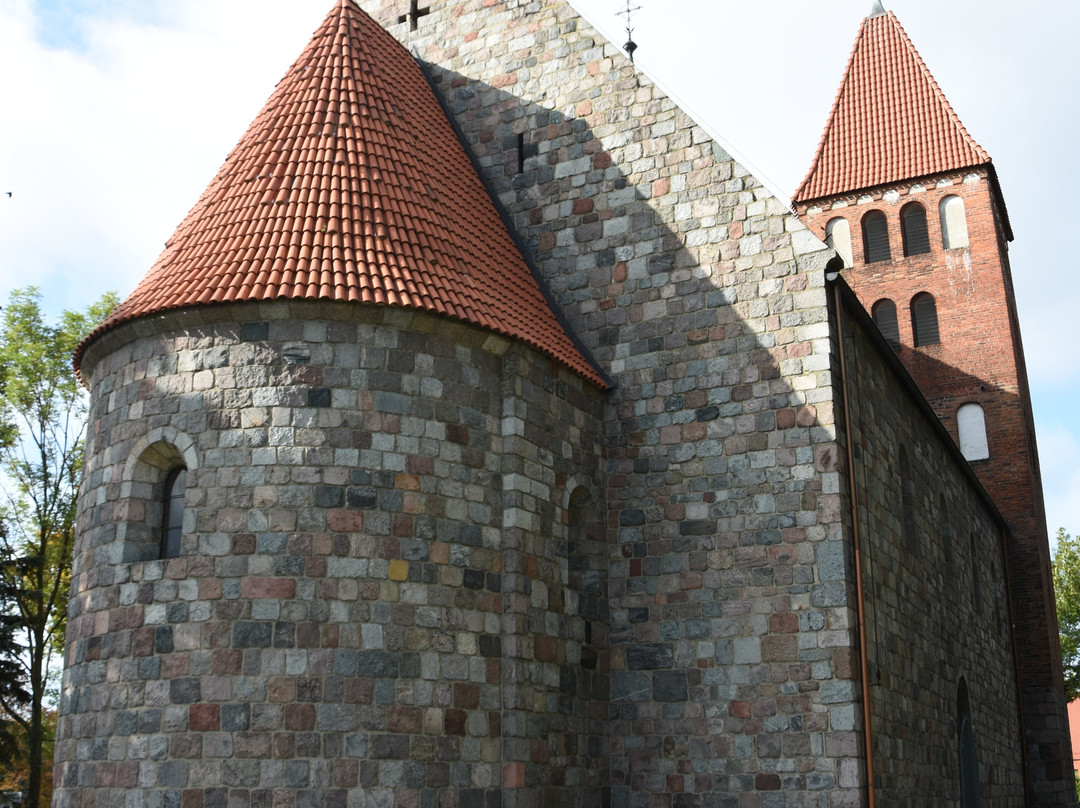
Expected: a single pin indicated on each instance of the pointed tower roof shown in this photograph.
(890, 120)
(352, 185)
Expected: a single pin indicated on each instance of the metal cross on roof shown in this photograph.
(414, 14)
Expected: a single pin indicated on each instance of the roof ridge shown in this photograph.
(353, 185)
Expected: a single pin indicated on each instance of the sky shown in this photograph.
(115, 115)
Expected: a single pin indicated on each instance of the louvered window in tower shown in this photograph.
(913, 225)
(884, 312)
(924, 323)
(875, 229)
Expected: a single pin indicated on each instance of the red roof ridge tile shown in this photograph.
(890, 120)
(334, 192)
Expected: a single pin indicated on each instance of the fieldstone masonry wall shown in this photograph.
(362, 602)
(702, 296)
(937, 602)
(979, 359)
(426, 567)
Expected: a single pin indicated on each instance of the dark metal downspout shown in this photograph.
(832, 271)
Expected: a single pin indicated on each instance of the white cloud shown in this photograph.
(111, 144)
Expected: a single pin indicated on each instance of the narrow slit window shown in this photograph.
(876, 237)
(907, 501)
(913, 226)
(172, 524)
(924, 321)
(967, 750)
(884, 313)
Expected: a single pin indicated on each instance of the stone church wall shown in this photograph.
(937, 599)
(978, 359)
(427, 567)
(378, 569)
(702, 296)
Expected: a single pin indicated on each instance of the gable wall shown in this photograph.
(702, 296)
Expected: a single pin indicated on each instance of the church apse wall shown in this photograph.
(377, 563)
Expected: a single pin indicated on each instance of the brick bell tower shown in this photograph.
(912, 203)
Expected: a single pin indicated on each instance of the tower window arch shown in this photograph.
(838, 236)
(954, 234)
(913, 227)
(876, 237)
(971, 430)
(884, 314)
(924, 320)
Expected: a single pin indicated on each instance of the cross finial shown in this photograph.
(414, 14)
(630, 45)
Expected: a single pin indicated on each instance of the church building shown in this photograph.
(487, 437)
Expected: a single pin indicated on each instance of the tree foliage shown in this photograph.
(1066, 571)
(15, 762)
(42, 421)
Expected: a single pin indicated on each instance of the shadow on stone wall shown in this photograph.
(684, 283)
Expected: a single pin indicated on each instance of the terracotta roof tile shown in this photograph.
(352, 185)
(890, 120)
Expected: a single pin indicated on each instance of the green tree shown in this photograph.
(1066, 571)
(42, 421)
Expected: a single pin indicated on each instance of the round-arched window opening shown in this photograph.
(924, 320)
(875, 229)
(913, 226)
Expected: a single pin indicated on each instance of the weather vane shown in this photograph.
(630, 45)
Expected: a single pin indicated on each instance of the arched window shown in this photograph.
(971, 429)
(838, 236)
(924, 323)
(875, 228)
(152, 492)
(913, 226)
(968, 752)
(172, 522)
(954, 232)
(884, 313)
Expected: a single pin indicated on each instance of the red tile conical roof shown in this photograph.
(890, 120)
(352, 185)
